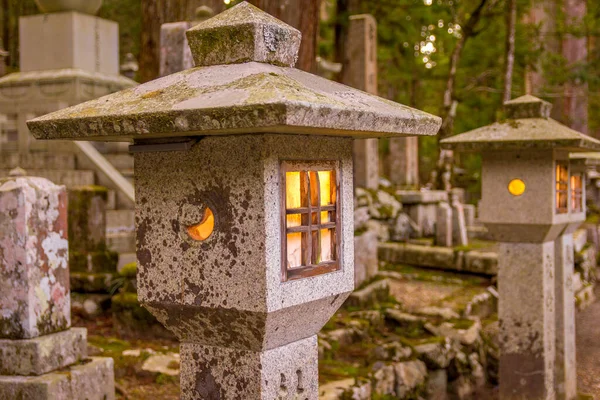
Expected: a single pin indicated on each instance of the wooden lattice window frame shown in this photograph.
(311, 218)
(562, 187)
(577, 192)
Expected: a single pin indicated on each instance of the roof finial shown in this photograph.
(241, 34)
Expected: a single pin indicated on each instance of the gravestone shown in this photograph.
(36, 338)
(443, 226)
(244, 201)
(360, 72)
(404, 161)
(175, 54)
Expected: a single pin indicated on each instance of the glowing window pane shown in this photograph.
(516, 187)
(203, 229)
(325, 187)
(576, 193)
(294, 250)
(562, 188)
(326, 245)
(294, 220)
(292, 190)
(310, 197)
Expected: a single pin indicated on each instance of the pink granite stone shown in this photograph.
(34, 274)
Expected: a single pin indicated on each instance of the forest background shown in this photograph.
(455, 58)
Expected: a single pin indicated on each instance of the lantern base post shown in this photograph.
(285, 372)
(527, 322)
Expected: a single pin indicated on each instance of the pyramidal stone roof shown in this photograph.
(528, 125)
(244, 83)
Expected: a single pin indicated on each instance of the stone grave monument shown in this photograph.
(532, 201)
(244, 203)
(41, 356)
(360, 72)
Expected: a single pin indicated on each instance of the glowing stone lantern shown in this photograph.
(533, 198)
(244, 200)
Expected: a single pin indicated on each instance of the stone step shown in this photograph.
(39, 160)
(120, 221)
(66, 177)
(121, 161)
(121, 242)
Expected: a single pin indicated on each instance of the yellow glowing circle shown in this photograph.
(203, 229)
(516, 187)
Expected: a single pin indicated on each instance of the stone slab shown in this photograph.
(425, 196)
(42, 354)
(366, 263)
(93, 379)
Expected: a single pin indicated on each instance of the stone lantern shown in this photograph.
(244, 200)
(532, 201)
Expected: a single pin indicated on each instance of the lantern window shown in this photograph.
(562, 188)
(577, 192)
(310, 195)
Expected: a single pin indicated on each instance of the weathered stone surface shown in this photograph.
(366, 264)
(459, 225)
(422, 196)
(42, 354)
(410, 375)
(361, 216)
(456, 331)
(370, 295)
(214, 304)
(167, 364)
(527, 320)
(87, 218)
(287, 372)
(475, 261)
(34, 275)
(94, 378)
(384, 206)
(437, 385)
(436, 355)
(440, 312)
(393, 351)
(443, 226)
(404, 161)
(404, 319)
(130, 318)
(384, 380)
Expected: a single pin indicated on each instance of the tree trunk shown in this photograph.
(154, 14)
(302, 15)
(511, 22)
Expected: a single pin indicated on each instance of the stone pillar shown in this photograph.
(36, 338)
(175, 54)
(360, 71)
(443, 225)
(459, 225)
(527, 320)
(566, 368)
(404, 161)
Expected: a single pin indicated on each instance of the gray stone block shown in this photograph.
(42, 354)
(93, 379)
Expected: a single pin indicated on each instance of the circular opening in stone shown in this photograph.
(203, 229)
(516, 187)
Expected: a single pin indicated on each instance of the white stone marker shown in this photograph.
(245, 238)
(532, 201)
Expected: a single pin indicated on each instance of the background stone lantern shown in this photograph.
(244, 200)
(532, 201)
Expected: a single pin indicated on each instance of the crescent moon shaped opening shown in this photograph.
(202, 230)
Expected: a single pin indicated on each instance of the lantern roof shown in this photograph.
(527, 126)
(244, 83)
(587, 158)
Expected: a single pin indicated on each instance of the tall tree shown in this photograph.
(511, 27)
(154, 14)
(302, 15)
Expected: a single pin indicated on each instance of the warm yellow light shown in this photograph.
(294, 250)
(325, 187)
(292, 190)
(203, 229)
(516, 187)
